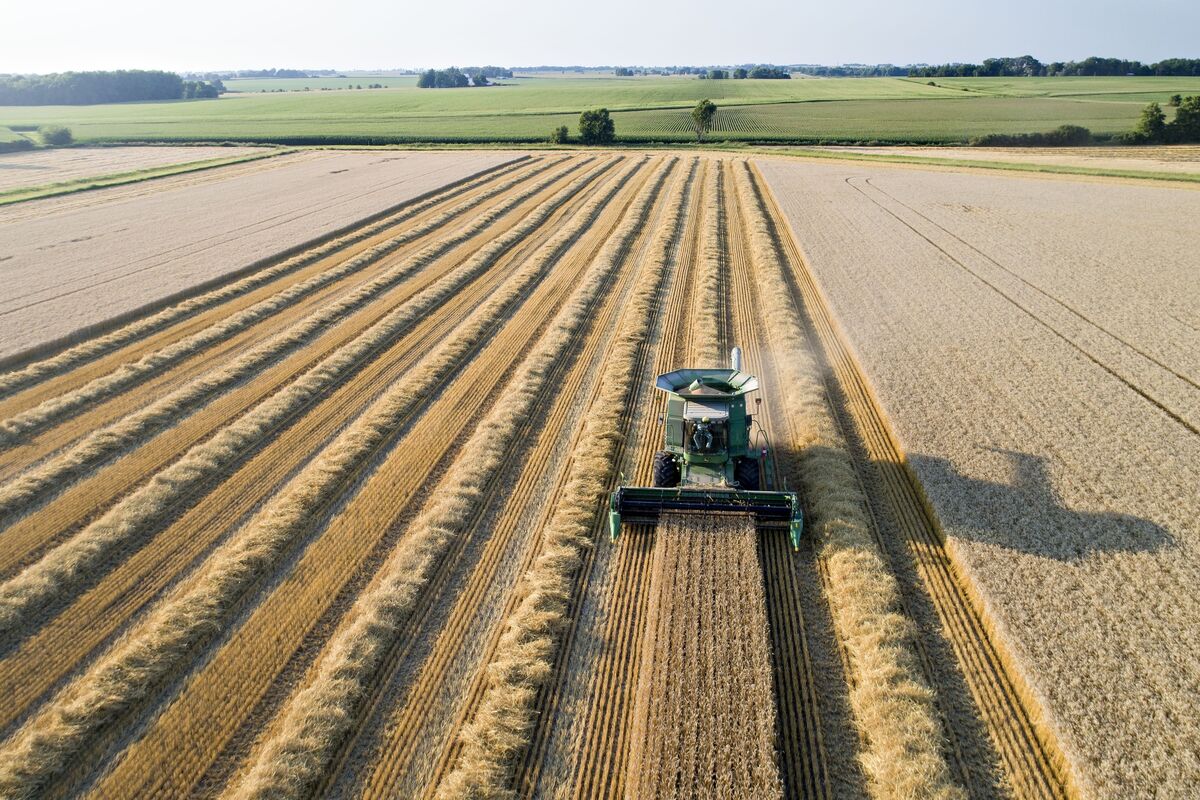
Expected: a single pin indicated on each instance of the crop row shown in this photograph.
(127, 375)
(242, 687)
(679, 123)
(522, 661)
(185, 617)
(17, 496)
(58, 572)
(317, 718)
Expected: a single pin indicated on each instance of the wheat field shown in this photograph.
(335, 524)
(1035, 343)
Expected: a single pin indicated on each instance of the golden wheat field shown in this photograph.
(320, 508)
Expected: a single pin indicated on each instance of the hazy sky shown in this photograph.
(366, 34)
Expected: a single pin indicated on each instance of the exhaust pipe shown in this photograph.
(735, 359)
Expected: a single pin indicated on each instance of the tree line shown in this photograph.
(1153, 127)
(87, 88)
(1030, 67)
(272, 73)
(853, 71)
(761, 72)
(455, 78)
(1018, 67)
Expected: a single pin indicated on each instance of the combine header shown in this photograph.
(715, 459)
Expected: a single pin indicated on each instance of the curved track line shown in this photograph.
(1145, 395)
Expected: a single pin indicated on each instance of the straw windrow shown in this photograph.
(317, 718)
(705, 326)
(61, 406)
(20, 495)
(524, 656)
(133, 666)
(46, 368)
(59, 571)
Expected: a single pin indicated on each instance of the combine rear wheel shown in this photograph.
(666, 469)
(745, 472)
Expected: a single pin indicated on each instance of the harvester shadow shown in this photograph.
(1027, 514)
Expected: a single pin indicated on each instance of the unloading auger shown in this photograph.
(715, 457)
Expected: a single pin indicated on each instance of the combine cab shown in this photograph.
(715, 459)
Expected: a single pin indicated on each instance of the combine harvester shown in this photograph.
(715, 458)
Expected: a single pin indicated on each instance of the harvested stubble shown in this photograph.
(59, 571)
(704, 716)
(92, 348)
(523, 659)
(706, 303)
(19, 495)
(56, 408)
(318, 716)
(134, 665)
(893, 707)
(177, 236)
(55, 166)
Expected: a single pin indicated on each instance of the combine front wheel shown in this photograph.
(666, 469)
(745, 472)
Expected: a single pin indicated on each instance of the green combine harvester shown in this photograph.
(715, 458)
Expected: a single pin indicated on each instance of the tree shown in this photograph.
(56, 135)
(560, 135)
(596, 127)
(1185, 128)
(82, 88)
(1152, 125)
(452, 78)
(717, 74)
(763, 72)
(739, 74)
(702, 117)
(1175, 101)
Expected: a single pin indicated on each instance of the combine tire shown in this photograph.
(745, 472)
(666, 470)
